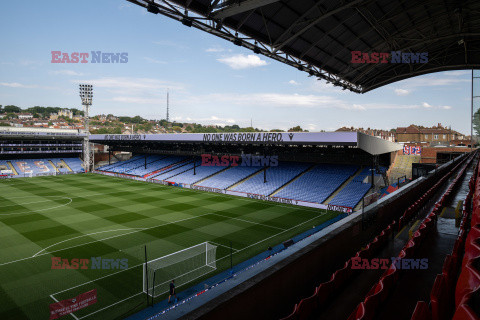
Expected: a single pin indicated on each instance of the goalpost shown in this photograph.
(182, 266)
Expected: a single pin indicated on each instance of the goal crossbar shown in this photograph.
(183, 266)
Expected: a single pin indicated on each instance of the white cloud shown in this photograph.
(358, 107)
(241, 61)
(457, 73)
(278, 100)
(324, 87)
(432, 81)
(215, 49)
(429, 106)
(125, 5)
(293, 82)
(401, 92)
(125, 85)
(67, 72)
(16, 85)
(426, 105)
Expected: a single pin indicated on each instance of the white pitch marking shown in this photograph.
(248, 221)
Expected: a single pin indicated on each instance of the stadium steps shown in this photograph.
(213, 174)
(246, 178)
(343, 185)
(66, 165)
(12, 168)
(295, 178)
(53, 165)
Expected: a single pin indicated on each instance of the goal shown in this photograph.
(182, 266)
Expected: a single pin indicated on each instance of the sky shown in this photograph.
(210, 80)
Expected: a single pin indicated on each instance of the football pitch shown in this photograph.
(88, 215)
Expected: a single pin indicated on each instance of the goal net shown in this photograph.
(182, 266)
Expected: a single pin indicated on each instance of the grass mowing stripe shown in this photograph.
(102, 203)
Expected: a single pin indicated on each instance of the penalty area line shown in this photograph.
(74, 316)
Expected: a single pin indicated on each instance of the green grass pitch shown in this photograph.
(88, 215)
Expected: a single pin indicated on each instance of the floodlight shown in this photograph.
(187, 22)
(153, 8)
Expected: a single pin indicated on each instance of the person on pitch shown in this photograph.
(172, 291)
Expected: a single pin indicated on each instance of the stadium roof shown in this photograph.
(360, 140)
(318, 37)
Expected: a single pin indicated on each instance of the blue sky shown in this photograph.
(211, 81)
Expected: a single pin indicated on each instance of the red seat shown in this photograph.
(468, 281)
(421, 312)
(469, 308)
(438, 299)
(307, 306)
(359, 313)
(293, 315)
(372, 301)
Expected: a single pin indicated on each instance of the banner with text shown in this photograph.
(64, 307)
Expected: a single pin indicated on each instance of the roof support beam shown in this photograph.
(316, 21)
(240, 7)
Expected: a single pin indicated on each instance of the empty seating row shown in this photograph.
(174, 170)
(75, 164)
(276, 177)
(317, 184)
(228, 178)
(47, 166)
(351, 194)
(152, 161)
(192, 176)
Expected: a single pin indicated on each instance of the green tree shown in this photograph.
(189, 128)
(476, 122)
(295, 129)
(12, 109)
(276, 130)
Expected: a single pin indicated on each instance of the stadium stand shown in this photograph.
(317, 184)
(229, 177)
(118, 165)
(174, 170)
(201, 172)
(276, 178)
(4, 166)
(33, 166)
(138, 169)
(354, 191)
(75, 164)
(351, 194)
